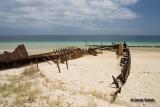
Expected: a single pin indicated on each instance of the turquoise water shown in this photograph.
(55, 45)
(53, 42)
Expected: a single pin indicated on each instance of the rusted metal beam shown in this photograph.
(46, 61)
(66, 62)
(57, 63)
(115, 82)
(37, 63)
(58, 67)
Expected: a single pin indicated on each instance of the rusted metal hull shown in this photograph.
(55, 56)
(21, 57)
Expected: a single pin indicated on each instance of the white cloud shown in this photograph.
(66, 12)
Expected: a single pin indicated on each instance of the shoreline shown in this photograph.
(132, 48)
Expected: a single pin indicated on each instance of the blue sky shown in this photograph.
(80, 17)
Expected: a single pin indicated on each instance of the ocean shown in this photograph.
(50, 42)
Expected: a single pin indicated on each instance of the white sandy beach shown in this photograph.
(87, 82)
